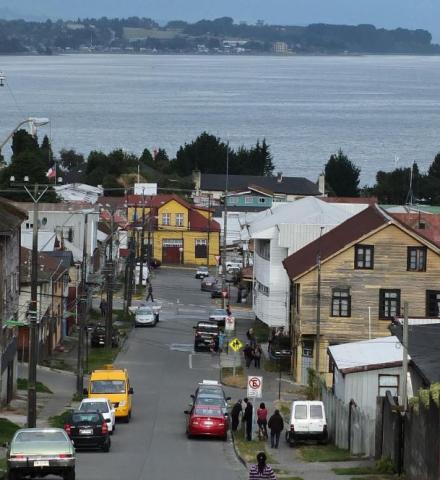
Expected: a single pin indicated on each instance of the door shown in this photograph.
(301, 417)
(316, 414)
(307, 360)
(172, 251)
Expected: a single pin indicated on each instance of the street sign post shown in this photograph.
(236, 344)
(254, 387)
(230, 324)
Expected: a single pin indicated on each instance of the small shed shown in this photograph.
(367, 369)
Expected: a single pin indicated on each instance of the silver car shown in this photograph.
(146, 316)
(39, 452)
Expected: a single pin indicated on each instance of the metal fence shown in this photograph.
(349, 427)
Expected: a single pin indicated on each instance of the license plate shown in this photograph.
(41, 463)
(86, 431)
(209, 423)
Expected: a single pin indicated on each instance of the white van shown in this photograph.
(307, 421)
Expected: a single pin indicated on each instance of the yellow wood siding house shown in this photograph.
(369, 266)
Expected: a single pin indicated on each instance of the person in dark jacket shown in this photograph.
(235, 415)
(150, 293)
(247, 418)
(248, 353)
(276, 426)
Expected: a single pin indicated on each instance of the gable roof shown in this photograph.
(367, 355)
(423, 342)
(341, 236)
(288, 185)
(431, 224)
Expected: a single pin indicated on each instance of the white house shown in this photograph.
(279, 232)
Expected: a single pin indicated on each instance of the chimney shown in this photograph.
(321, 184)
(279, 177)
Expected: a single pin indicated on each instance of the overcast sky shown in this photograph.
(382, 13)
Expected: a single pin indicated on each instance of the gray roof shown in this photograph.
(288, 185)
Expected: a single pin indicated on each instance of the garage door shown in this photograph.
(171, 252)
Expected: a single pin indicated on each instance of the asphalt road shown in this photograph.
(164, 372)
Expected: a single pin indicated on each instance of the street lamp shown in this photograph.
(181, 254)
(33, 123)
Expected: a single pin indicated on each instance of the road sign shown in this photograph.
(236, 344)
(230, 324)
(255, 387)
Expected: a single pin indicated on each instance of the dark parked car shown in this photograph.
(97, 338)
(217, 292)
(208, 284)
(88, 430)
(155, 263)
(204, 334)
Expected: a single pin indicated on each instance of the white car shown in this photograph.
(202, 272)
(233, 266)
(103, 406)
(146, 316)
(307, 421)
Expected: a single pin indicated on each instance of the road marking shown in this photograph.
(190, 363)
(182, 347)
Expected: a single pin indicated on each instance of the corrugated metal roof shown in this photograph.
(367, 354)
(332, 242)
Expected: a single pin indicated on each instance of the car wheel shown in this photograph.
(106, 447)
(70, 475)
(127, 419)
(225, 437)
(188, 435)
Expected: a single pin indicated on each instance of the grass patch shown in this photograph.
(289, 478)
(383, 466)
(325, 453)
(375, 477)
(7, 430)
(261, 331)
(98, 357)
(22, 384)
(58, 421)
(2, 465)
(239, 380)
(274, 366)
(77, 397)
(249, 450)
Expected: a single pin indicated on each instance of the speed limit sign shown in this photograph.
(255, 387)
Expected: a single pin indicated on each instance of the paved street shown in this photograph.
(154, 445)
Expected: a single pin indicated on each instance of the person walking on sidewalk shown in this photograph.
(261, 469)
(257, 355)
(276, 426)
(150, 293)
(247, 418)
(235, 415)
(262, 421)
(221, 341)
(103, 307)
(228, 310)
(248, 353)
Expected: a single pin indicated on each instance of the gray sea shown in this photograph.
(381, 110)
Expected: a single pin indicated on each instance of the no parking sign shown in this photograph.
(229, 324)
(255, 387)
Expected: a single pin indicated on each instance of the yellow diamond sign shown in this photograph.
(236, 344)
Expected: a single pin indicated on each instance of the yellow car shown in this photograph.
(114, 384)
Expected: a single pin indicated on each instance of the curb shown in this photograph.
(49, 369)
(237, 453)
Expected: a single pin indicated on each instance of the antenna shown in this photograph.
(410, 195)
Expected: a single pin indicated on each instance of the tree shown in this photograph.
(434, 169)
(161, 161)
(46, 151)
(146, 158)
(22, 141)
(342, 176)
(393, 187)
(71, 161)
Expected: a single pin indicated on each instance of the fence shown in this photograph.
(349, 427)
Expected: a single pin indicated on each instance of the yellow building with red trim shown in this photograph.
(175, 231)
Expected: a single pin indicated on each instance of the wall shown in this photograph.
(390, 263)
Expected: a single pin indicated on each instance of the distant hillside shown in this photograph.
(221, 35)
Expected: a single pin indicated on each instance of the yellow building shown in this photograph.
(175, 231)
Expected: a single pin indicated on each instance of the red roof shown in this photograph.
(430, 224)
(156, 201)
(200, 223)
(332, 242)
(366, 200)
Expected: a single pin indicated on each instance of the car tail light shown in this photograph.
(104, 428)
(18, 457)
(65, 455)
(195, 420)
(68, 429)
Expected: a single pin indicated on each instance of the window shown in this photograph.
(249, 200)
(166, 218)
(389, 303)
(416, 260)
(263, 249)
(301, 412)
(201, 248)
(179, 219)
(364, 257)
(263, 289)
(388, 382)
(341, 302)
(433, 303)
(261, 200)
(233, 200)
(316, 411)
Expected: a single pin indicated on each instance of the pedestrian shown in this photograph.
(103, 307)
(150, 293)
(262, 420)
(257, 355)
(235, 415)
(228, 310)
(248, 355)
(261, 469)
(247, 418)
(276, 426)
(221, 341)
(251, 337)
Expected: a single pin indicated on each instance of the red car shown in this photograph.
(207, 420)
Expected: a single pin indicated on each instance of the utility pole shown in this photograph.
(318, 310)
(130, 272)
(142, 249)
(110, 274)
(209, 230)
(225, 228)
(405, 357)
(83, 313)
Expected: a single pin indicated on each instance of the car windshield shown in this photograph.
(218, 312)
(207, 328)
(203, 269)
(315, 411)
(209, 280)
(202, 400)
(101, 407)
(213, 392)
(39, 436)
(206, 411)
(301, 412)
(84, 418)
(145, 311)
(108, 386)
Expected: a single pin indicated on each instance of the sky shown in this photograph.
(382, 13)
